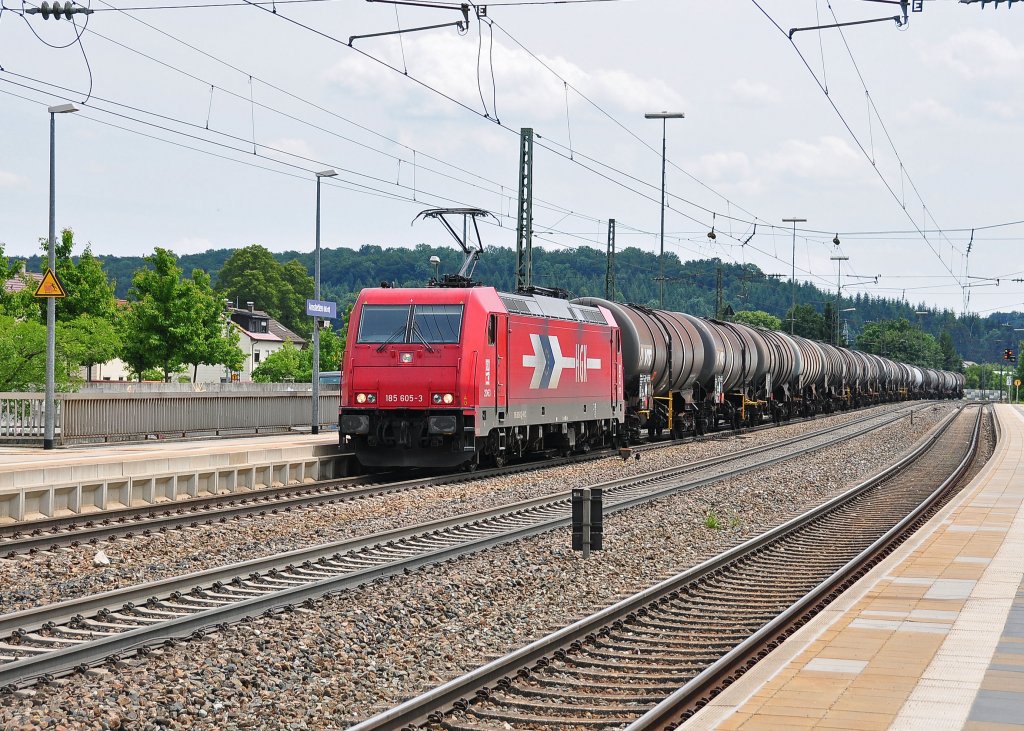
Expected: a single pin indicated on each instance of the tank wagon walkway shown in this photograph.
(932, 638)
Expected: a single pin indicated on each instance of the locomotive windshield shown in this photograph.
(438, 323)
(401, 324)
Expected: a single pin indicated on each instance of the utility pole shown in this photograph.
(609, 275)
(719, 297)
(663, 116)
(524, 224)
(839, 286)
(792, 310)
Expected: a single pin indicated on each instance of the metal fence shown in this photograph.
(105, 416)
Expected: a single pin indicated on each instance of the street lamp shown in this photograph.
(839, 286)
(842, 324)
(661, 254)
(315, 419)
(49, 407)
(792, 319)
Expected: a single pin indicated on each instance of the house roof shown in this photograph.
(284, 333)
(276, 332)
(17, 284)
(265, 337)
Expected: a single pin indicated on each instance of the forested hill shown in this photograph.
(690, 286)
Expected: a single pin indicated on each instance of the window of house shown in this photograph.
(255, 356)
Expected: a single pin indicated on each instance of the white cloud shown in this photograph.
(827, 158)
(978, 54)
(522, 84)
(931, 110)
(9, 180)
(745, 91)
(1003, 109)
(719, 166)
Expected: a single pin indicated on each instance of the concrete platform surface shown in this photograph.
(931, 639)
(36, 484)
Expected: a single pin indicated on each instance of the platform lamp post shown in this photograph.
(792, 312)
(663, 116)
(49, 407)
(841, 322)
(1016, 395)
(839, 285)
(315, 418)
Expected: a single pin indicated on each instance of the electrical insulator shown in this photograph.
(57, 10)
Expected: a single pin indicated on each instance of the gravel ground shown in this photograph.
(363, 651)
(50, 577)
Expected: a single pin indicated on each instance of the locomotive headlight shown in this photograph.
(448, 398)
(405, 357)
(360, 398)
(371, 397)
(436, 398)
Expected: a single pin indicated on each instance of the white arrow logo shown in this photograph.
(548, 362)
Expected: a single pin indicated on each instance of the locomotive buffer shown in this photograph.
(587, 519)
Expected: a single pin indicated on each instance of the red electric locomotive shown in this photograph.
(443, 377)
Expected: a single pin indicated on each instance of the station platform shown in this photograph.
(36, 484)
(932, 638)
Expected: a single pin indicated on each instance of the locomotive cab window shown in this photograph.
(436, 323)
(383, 324)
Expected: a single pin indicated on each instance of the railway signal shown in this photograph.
(587, 519)
(1009, 354)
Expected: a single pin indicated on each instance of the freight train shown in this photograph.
(460, 376)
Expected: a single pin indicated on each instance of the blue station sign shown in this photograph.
(318, 308)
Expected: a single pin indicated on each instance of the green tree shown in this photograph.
(331, 349)
(293, 300)
(172, 322)
(981, 375)
(951, 360)
(22, 355)
(279, 366)
(899, 340)
(89, 291)
(252, 274)
(90, 308)
(807, 322)
(87, 341)
(758, 318)
(210, 339)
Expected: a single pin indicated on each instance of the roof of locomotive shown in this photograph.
(529, 305)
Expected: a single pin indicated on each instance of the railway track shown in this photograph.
(72, 531)
(651, 660)
(77, 633)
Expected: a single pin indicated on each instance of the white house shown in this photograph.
(259, 335)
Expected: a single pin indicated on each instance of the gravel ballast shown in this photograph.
(364, 651)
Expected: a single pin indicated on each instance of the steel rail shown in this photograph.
(697, 692)
(125, 600)
(427, 707)
(64, 611)
(74, 530)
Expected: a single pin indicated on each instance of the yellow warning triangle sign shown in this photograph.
(50, 287)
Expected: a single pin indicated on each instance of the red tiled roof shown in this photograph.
(17, 284)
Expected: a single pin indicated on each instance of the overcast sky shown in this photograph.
(933, 147)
